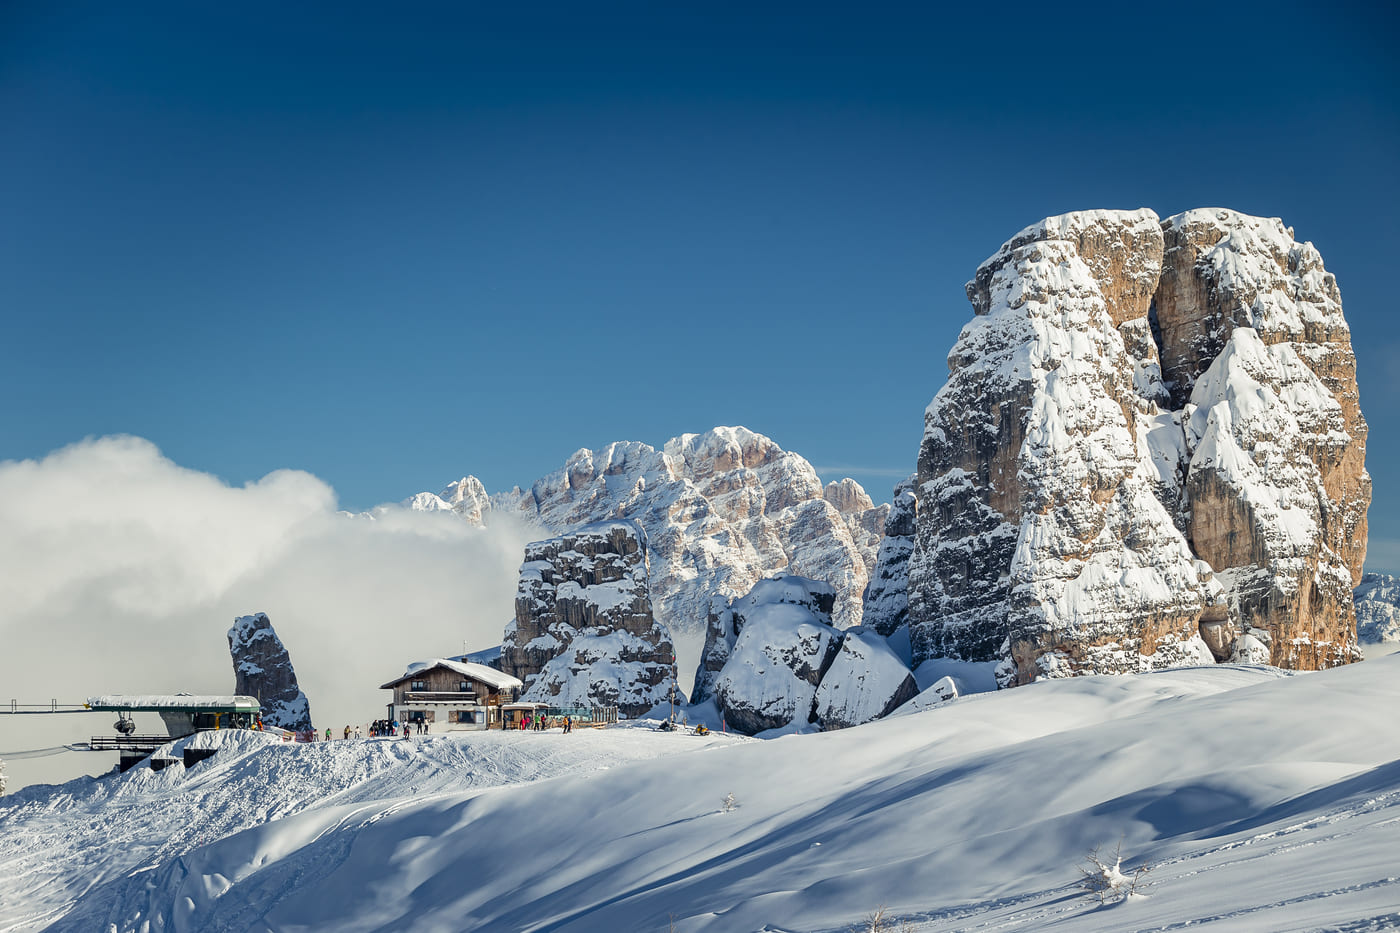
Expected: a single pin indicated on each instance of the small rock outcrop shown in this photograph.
(1377, 602)
(773, 659)
(1149, 452)
(263, 669)
(584, 633)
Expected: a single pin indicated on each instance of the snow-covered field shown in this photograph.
(1262, 802)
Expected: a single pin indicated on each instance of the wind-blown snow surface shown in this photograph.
(1263, 802)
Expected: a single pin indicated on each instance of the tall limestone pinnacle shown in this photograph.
(1149, 452)
(263, 669)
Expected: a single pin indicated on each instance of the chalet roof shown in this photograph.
(179, 701)
(479, 672)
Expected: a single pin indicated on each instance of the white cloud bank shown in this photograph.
(122, 572)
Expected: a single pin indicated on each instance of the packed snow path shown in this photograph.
(1262, 802)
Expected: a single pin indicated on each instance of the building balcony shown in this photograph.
(439, 696)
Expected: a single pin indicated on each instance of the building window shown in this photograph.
(464, 686)
(418, 685)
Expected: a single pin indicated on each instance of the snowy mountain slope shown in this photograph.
(1262, 802)
(60, 841)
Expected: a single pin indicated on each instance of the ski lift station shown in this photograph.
(182, 714)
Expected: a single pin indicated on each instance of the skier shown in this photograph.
(328, 733)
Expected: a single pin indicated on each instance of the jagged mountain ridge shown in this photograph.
(721, 510)
(1149, 451)
(1377, 602)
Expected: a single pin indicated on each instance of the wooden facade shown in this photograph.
(452, 695)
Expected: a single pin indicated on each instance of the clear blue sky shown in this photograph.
(392, 244)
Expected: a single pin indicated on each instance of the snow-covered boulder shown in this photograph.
(773, 660)
(865, 681)
(1377, 602)
(584, 633)
(1148, 451)
(263, 669)
(779, 641)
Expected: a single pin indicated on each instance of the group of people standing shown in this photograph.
(392, 728)
(380, 728)
(538, 723)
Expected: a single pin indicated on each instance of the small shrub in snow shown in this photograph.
(875, 923)
(879, 921)
(729, 803)
(1106, 880)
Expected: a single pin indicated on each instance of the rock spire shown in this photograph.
(1149, 452)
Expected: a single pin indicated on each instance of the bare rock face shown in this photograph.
(1277, 485)
(263, 669)
(864, 519)
(721, 510)
(583, 633)
(1070, 521)
(886, 603)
